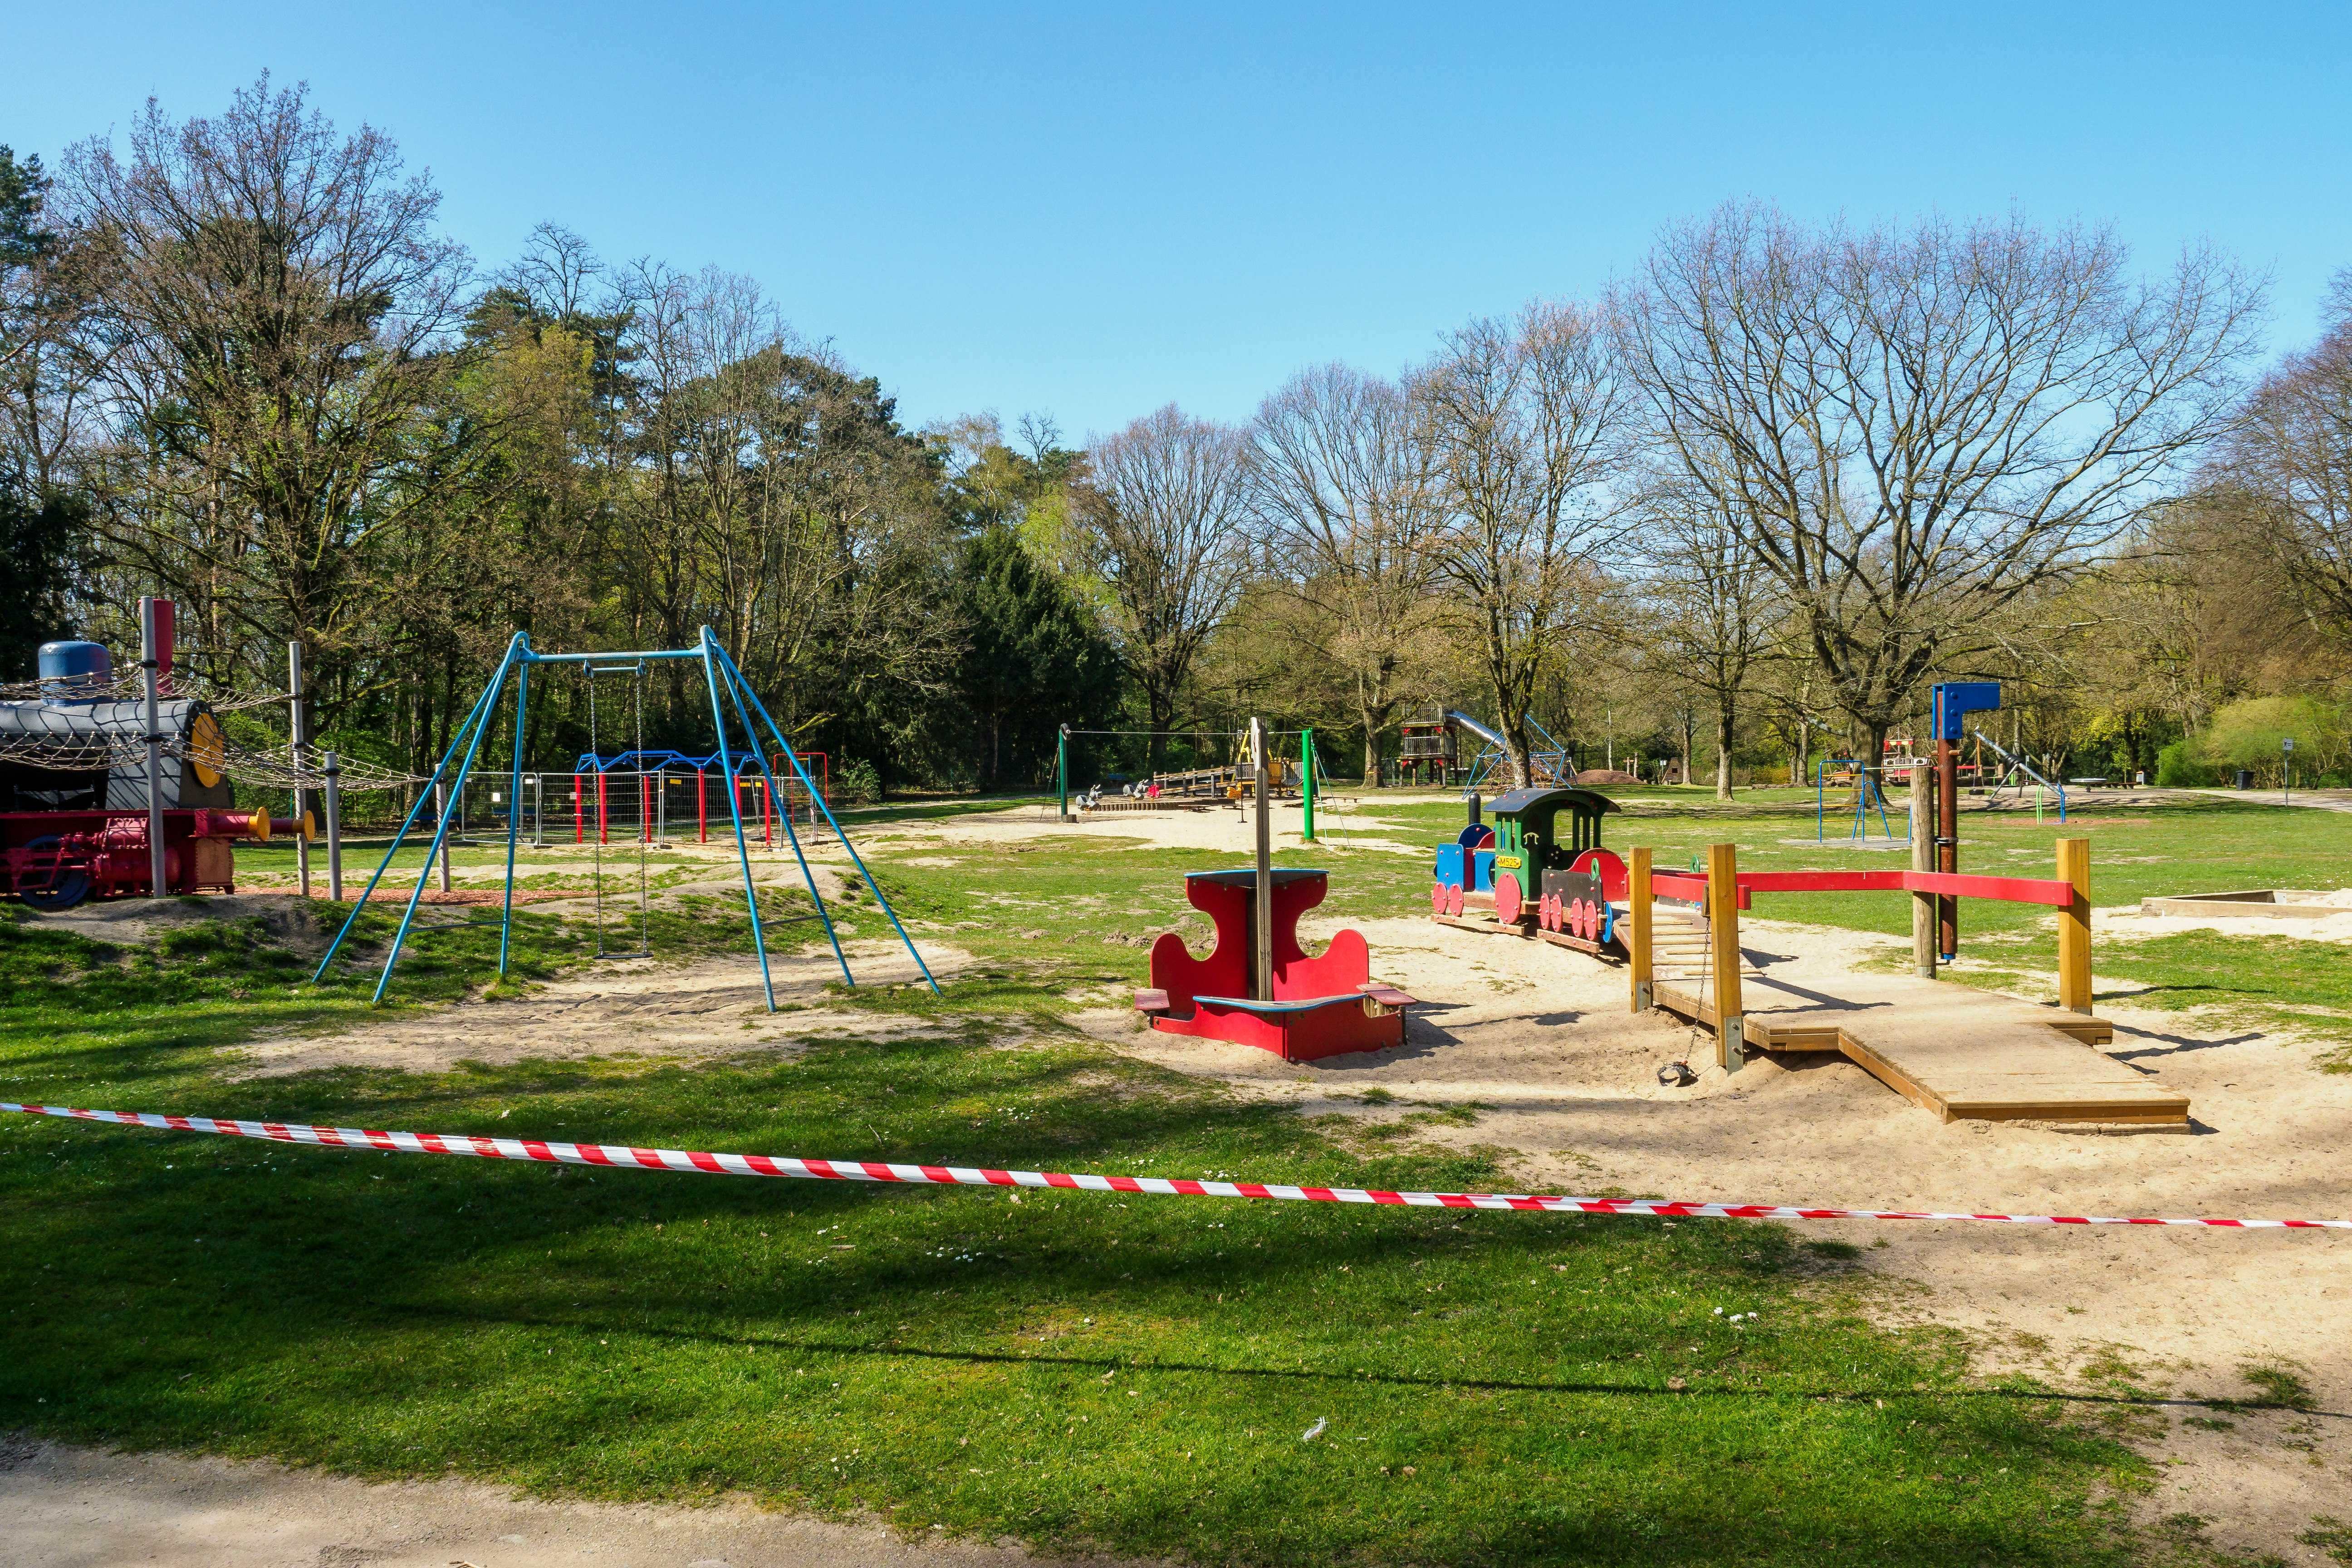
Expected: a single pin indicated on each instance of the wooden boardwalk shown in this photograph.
(1963, 1055)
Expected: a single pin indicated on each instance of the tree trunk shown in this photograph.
(1162, 705)
(1877, 752)
(1723, 729)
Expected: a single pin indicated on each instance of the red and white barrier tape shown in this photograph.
(615, 1156)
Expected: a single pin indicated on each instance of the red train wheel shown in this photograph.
(1437, 898)
(1508, 900)
(1453, 903)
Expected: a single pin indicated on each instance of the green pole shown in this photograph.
(1306, 777)
(1062, 769)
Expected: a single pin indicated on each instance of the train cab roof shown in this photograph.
(1548, 801)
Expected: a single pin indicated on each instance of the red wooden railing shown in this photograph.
(2007, 889)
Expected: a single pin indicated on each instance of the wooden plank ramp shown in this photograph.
(1965, 1056)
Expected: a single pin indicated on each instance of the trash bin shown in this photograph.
(2245, 778)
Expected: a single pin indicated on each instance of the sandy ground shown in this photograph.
(2332, 923)
(65, 1507)
(628, 1008)
(1543, 1038)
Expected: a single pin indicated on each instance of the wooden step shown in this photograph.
(1964, 1055)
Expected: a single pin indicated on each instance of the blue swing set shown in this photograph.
(720, 674)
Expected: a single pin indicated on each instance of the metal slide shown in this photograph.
(2021, 764)
(1475, 728)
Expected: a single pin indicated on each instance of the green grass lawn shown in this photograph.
(1134, 1372)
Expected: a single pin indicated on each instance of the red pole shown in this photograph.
(701, 810)
(579, 810)
(603, 824)
(1947, 845)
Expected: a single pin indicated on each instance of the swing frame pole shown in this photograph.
(826, 806)
(519, 657)
(735, 815)
(477, 716)
(736, 690)
(514, 817)
(479, 723)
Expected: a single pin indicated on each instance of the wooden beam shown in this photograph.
(2074, 927)
(1723, 928)
(1641, 900)
(1923, 860)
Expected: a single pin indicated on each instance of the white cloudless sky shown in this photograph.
(1091, 212)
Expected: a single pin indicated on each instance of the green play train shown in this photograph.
(1579, 888)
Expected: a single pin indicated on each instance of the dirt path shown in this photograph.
(69, 1507)
(1542, 1040)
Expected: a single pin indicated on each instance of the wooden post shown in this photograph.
(1723, 938)
(333, 772)
(1638, 895)
(299, 733)
(2074, 927)
(1923, 858)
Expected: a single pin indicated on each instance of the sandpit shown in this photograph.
(628, 1008)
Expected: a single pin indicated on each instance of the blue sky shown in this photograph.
(1091, 212)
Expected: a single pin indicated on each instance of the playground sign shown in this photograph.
(1955, 699)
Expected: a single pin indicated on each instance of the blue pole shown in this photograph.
(735, 812)
(410, 821)
(826, 806)
(735, 690)
(514, 804)
(480, 720)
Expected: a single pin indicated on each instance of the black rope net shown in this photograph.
(109, 734)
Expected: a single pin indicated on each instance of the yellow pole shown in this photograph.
(1723, 936)
(2074, 927)
(1638, 895)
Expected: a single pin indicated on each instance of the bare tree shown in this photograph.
(559, 272)
(1344, 484)
(1714, 611)
(273, 299)
(2285, 476)
(1164, 512)
(777, 499)
(1919, 427)
(1525, 416)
